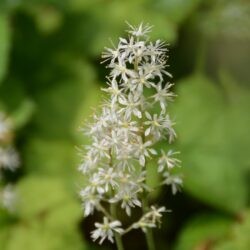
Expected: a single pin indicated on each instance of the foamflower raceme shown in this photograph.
(132, 119)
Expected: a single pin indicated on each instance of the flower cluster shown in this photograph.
(9, 161)
(125, 131)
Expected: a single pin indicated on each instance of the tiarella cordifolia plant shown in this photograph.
(124, 134)
(9, 161)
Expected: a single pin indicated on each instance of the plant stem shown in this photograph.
(118, 238)
(145, 208)
(149, 232)
(105, 212)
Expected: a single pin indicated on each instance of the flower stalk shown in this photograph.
(118, 238)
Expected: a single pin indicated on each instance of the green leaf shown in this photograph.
(176, 10)
(4, 44)
(48, 19)
(214, 178)
(238, 96)
(239, 237)
(58, 106)
(207, 134)
(223, 20)
(49, 216)
(50, 157)
(22, 115)
(4, 234)
(41, 195)
(35, 236)
(201, 231)
(112, 26)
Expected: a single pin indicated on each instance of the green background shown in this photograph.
(50, 77)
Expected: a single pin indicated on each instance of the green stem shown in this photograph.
(145, 207)
(149, 232)
(104, 211)
(118, 238)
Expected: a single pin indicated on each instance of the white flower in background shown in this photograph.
(9, 158)
(106, 230)
(9, 198)
(9, 161)
(124, 133)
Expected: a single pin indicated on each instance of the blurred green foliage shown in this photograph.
(50, 77)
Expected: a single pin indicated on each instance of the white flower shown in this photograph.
(111, 54)
(151, 219)
(106, 230)
(168, 124)
(155, 214)
(140, 31)
(89, 162)
(156, 51)
(114, 91)
(131, 106)
(156, 125)
(174, 181)
(131, 48)
(128, 126)
(143, 150)
(144, 78)
(108, 178)
(99, 148)
(116, 140)
(90, 200)
(167, 160)
(163, 95)
(128, 198)
(119, 69)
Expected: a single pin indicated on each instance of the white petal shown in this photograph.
(142, 160)
(148, 115)
(147, 132)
